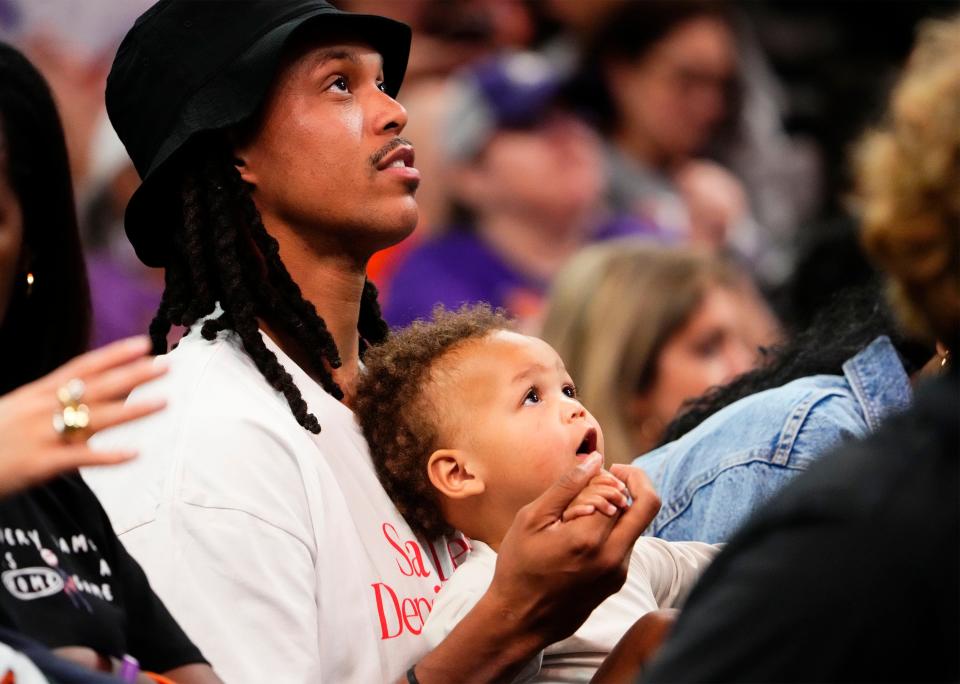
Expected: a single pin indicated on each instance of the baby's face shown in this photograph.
(510, 403)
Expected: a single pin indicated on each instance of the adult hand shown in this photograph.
(32, 451)
(604, 494)
(551, 574)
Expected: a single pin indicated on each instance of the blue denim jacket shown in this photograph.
(711, 479)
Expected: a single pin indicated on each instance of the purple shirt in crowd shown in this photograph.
(459, 267)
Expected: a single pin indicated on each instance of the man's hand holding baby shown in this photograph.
(605, 494)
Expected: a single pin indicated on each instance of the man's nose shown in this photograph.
(393, 116)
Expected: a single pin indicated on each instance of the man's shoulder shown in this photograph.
(226, 439)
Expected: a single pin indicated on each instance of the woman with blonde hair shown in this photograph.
(643, 328)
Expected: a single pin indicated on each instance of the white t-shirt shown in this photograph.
(660, 576)
(277, 550)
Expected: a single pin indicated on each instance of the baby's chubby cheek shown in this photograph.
(550, 460)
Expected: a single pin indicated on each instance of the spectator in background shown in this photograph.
(527, 176)
(643, 329)
(739, 444)
(667, 71)
(852, 573)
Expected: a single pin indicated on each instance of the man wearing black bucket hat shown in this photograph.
(269, 144)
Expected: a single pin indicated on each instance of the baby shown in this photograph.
(468, 422)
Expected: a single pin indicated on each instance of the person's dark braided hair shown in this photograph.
(845, 326)
(222, 254)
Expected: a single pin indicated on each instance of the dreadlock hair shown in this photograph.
(397, 415)
(851, 321)
(222, 255)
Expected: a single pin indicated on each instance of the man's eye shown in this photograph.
(570, 391)
(532, 397)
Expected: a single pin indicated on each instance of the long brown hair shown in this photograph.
(49, 323)
(611, 310)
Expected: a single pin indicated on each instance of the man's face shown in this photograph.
(553, 169)
(512, 406)
(326, 160)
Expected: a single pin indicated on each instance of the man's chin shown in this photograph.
(392, 234)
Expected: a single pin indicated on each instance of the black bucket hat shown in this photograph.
(189, 66)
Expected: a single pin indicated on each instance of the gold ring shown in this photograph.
(74, 417)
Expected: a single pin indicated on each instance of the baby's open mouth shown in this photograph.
(589, 443)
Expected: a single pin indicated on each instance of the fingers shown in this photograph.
(596, 500)
(638, 484)
(80, 456)
(105, 358)
(103, 416)
(549, 506)
(636, 518)
(608, 478)
(53, 462)
(118, 382)
(578, 511)
(605, 493)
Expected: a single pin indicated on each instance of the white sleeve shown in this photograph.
(449, 608)
(671, 567)
(242, 589)
(231, 550)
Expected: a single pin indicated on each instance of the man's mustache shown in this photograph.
(379, 155)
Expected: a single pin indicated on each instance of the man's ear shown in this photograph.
(240, 164)
(451, 475)
(239, 140)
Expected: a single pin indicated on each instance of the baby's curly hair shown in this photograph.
(398, 418)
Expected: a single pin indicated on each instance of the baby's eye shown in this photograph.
(381, 86)
(532, 397)
(340, 84)
(570, 391)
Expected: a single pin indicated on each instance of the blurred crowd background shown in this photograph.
(707, 142)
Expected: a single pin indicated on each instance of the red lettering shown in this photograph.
(429, 606)
(415, 556)
(396, 615)
(462, 549)
(436, 561)
(412, 610)
(378, 589)
(393, 538)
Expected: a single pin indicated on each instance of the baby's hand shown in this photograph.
(605, 493)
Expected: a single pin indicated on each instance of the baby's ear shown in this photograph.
(450, 474)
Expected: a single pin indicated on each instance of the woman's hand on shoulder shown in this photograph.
(33, 449)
